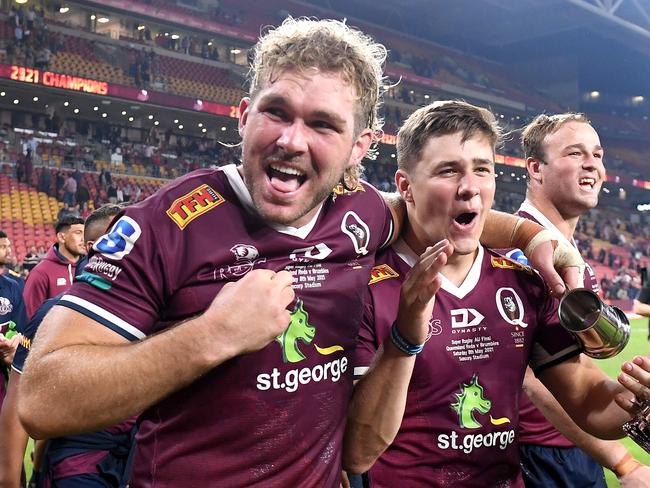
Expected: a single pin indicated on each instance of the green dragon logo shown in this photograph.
(299, 330)
(470, 399)
(11, 329)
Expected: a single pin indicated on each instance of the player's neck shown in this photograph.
(67, 254)
(566, 225)
(458, 267)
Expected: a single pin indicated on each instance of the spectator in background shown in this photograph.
(31, 259)
(102, 178)
(59, 180)
(28, 164)
(65, 211)
(642, 301)
(83, 194)
(20, 168)
(55, 272)
(69, 190)
(111, 193)
(6, 261)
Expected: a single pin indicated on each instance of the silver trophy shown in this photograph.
(639, 427)
(602, 329)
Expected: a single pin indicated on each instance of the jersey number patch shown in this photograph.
(120, 240)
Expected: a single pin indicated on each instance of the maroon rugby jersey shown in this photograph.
(533, 426)
(460, 423)
(270, 418)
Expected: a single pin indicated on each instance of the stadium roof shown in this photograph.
(606, 39)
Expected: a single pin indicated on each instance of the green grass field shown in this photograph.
(638, 345)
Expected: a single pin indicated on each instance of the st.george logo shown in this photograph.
(299, 330)
(120, 240)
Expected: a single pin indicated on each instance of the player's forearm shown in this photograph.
(376, 409)
(503, 230)
(87, 387)
(13, 440)
(607, 453)
(590, 401)
(641, 308)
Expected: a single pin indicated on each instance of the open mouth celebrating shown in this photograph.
(284, 179)
(587, 183)
(465, 218)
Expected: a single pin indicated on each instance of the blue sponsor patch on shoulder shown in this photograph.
(94, 280)
(519, 256)
(120, 239)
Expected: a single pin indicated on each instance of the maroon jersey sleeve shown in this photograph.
(380, 308)
(367, 342)
(553, 344)
(128, 279)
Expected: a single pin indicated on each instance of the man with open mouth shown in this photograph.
(218, 265)
(566, 171)
(450, 326)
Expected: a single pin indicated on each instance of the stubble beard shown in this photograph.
(279, 217)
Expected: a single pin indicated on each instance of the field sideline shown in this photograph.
(638, 345)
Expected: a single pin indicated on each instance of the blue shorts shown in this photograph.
(559, 467)
(358, 480)
(91, 480)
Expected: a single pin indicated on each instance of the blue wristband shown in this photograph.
(402, 344)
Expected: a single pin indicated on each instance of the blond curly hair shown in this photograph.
(331, 46)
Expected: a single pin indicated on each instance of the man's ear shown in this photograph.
(403, 184)
(360, 148)
(244, 106)
(534, 167)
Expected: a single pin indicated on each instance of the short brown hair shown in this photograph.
(533, 134)
(439, 119)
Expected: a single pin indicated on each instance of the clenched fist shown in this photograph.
(249, 313)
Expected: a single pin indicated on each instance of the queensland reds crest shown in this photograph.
(246, 257)
(357, 230)
(510, 307)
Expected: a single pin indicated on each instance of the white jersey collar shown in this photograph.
(469, 283)
(528, 207)
(240, 189)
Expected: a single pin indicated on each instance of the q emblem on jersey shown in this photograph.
(510, 307)
(357, 230)
(120, 240)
